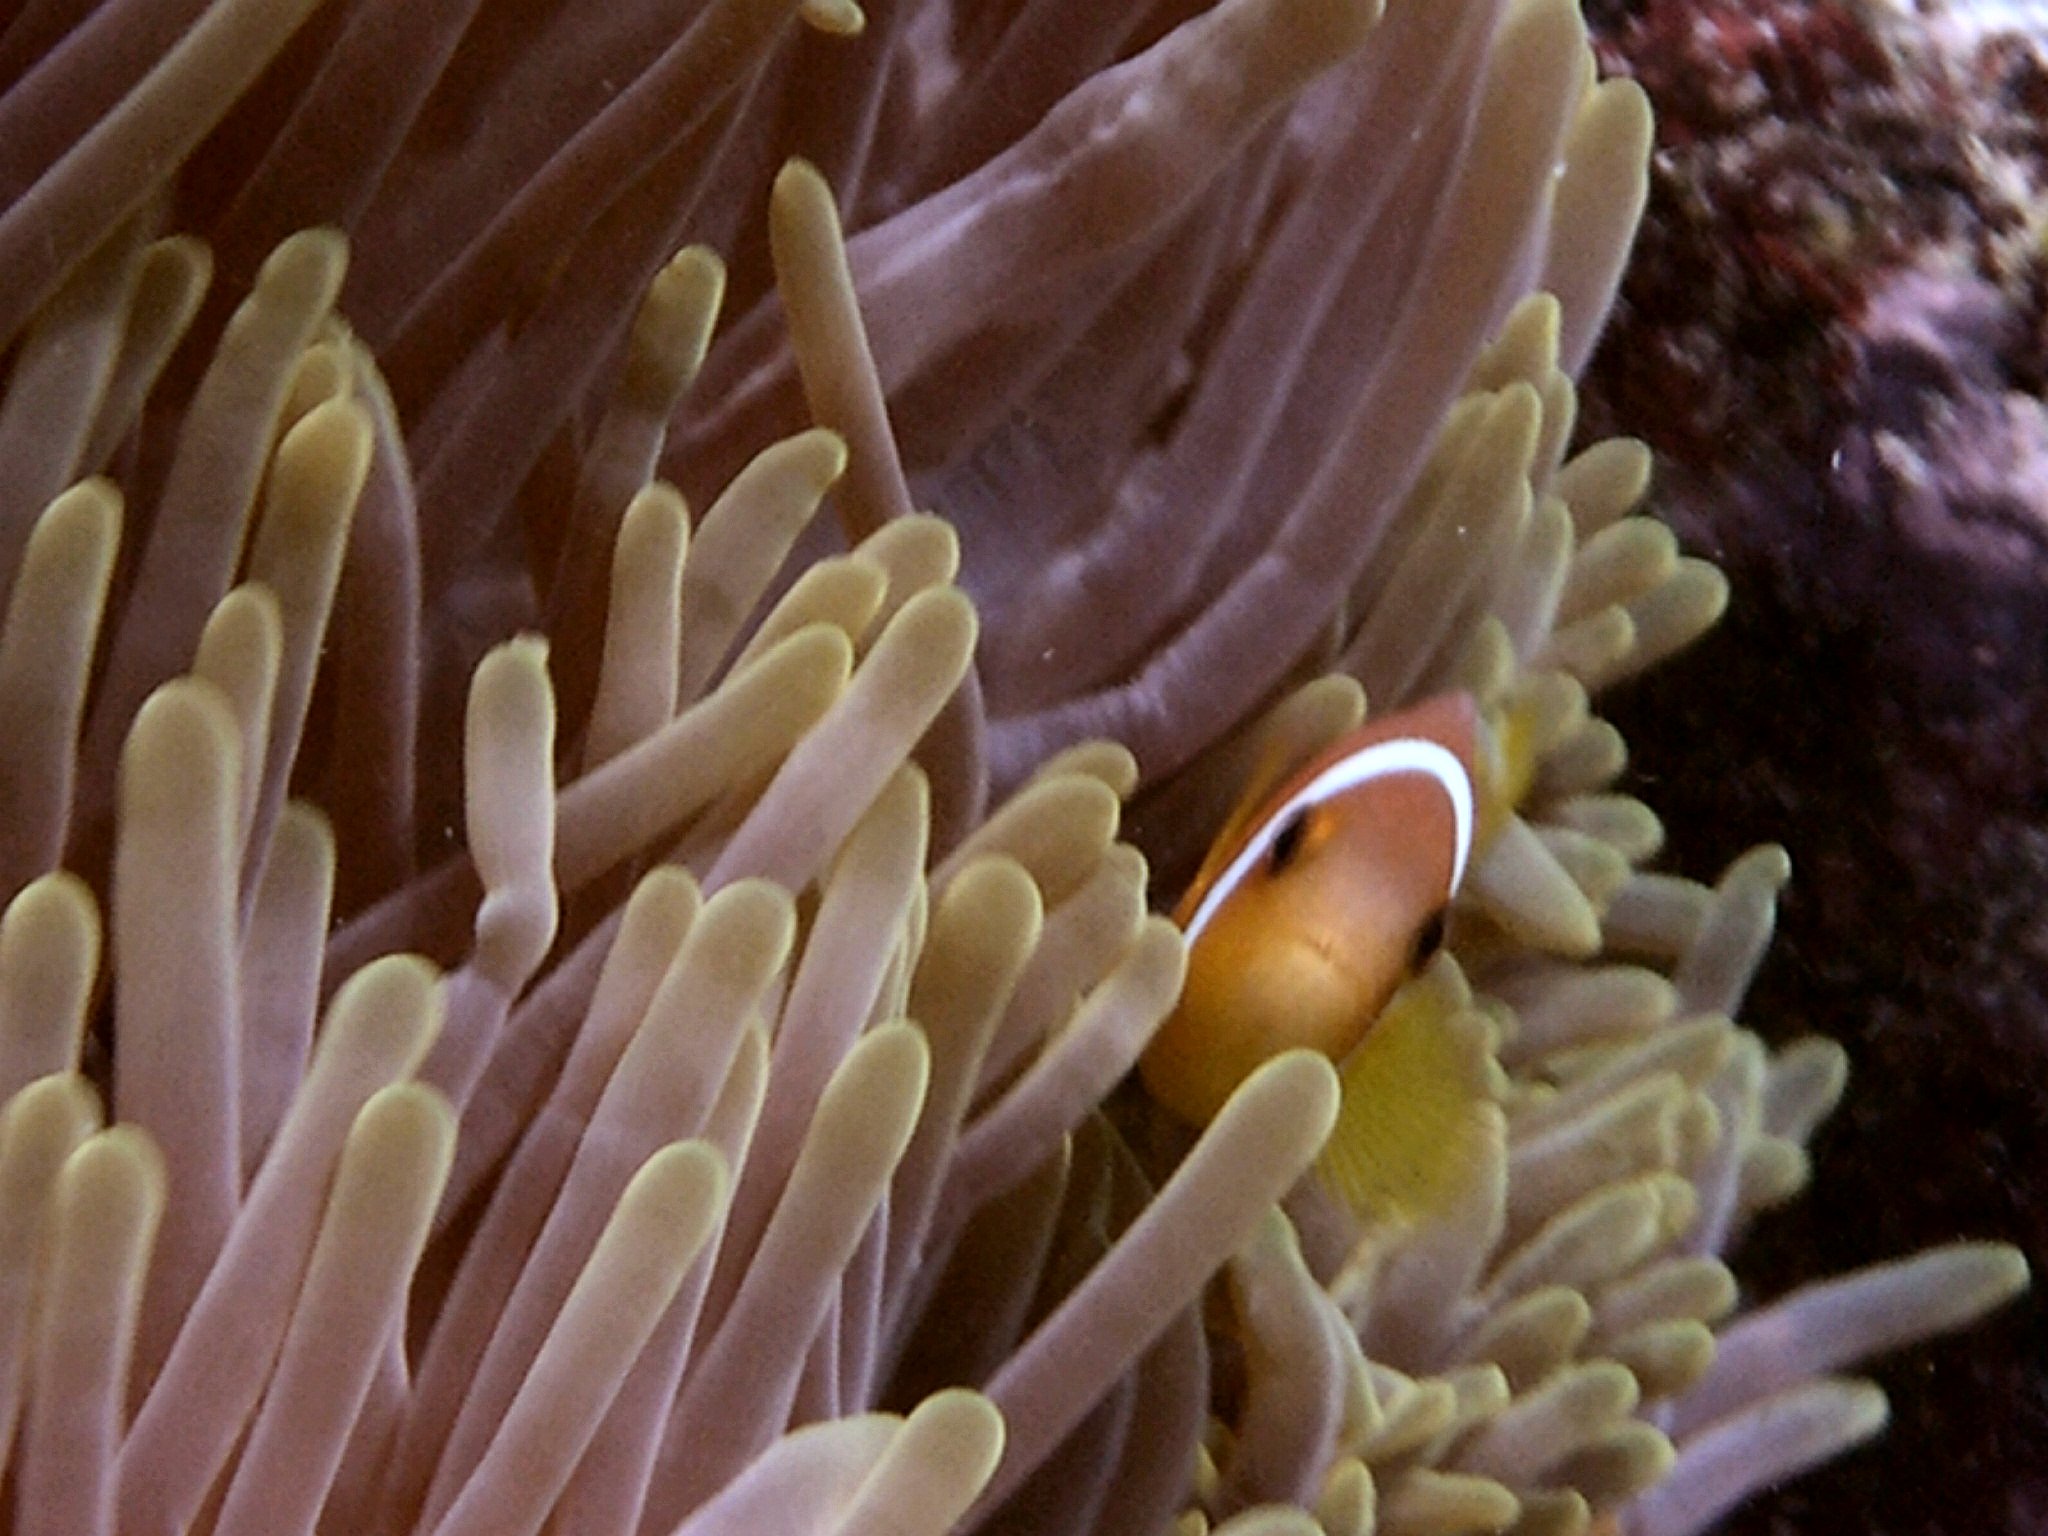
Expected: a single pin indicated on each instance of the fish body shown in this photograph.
(1318, 902)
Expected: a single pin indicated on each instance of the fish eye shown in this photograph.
(1286, 842)
(1429, 938)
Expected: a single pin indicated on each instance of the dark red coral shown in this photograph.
(1835, 334)
(1804, 149)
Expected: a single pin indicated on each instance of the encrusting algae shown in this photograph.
(712, 1121)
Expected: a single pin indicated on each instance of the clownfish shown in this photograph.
(1313, 922)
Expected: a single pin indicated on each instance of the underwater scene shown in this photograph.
(1033, 767)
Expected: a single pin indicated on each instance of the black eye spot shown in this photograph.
(1286, 842)
(1429, 938)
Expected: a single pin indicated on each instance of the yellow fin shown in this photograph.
(1416, 1120)
(1507, 769)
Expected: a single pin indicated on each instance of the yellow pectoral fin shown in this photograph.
(1416, 1127)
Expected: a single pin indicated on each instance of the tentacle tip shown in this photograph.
(319, 253)
(800, 178)
(835, 18)
(1769, 863)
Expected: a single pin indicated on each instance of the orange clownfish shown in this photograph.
(1314, 909)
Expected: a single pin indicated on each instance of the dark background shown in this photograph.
(1867, 460)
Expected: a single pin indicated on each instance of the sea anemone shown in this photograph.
(676, 1101)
